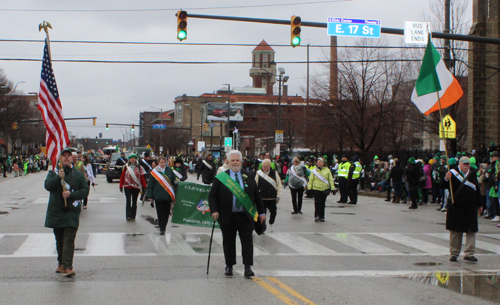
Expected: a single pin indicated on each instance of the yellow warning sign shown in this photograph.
(450, 128)
(148, 146)
(442, 277)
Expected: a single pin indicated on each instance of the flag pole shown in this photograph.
(445, 144)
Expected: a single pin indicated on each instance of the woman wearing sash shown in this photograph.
(269, 185)
(133, 181)
(296, 179)
(321, 184)
(161, 192)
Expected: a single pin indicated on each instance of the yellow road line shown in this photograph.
(290, 290)
(280, 295)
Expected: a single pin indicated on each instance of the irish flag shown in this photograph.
(435, 77)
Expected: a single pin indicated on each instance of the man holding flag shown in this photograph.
(235, 202)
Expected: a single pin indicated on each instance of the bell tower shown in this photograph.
(263, 71)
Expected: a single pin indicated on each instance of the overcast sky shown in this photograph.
(116, 93)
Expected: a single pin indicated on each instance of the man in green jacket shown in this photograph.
(67, 187)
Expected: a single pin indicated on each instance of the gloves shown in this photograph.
(121, 190)
(152, 203)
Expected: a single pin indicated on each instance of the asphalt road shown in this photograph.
(372, 253)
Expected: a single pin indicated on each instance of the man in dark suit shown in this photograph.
(232, 216)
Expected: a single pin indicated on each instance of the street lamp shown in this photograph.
(281, 79)
(190, 122)
(228, 107)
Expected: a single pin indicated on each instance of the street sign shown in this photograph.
(161, 148)
(278, 149)
(228, 141)
(159, 126)
(417, 32)
(278, 136)
(227, 148)
(354, 27)
(148, 146)
(201, 145)
(450, 128)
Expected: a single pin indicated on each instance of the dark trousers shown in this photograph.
(413, 193)
(343, 189)
(362, 184)
(65, 244)
(397, 188)
(319, 204)
(425, 195)
(271, 206)
(163, 212)
(240, 224)
(297, 198)
(352, 189)
(131, 197)
(86, 200)
(436, 193)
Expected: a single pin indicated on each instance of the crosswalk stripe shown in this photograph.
(479, 244)
(105, 244)
(360, 244)
(40, 244)
(424, 246)
(257, 251)
(171, 244)
(301, 245)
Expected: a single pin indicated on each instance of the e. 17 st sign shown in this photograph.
(354, 27)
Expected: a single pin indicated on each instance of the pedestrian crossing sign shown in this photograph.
(450, 128)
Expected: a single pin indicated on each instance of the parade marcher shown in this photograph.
(353, 181)
(133, 181)
(235, 202)
(122, 160)
(342, 178)
(67, 188)
(78, 164)
(296, 180)
(321, 183)
(462, 213)
(310, 166)
(207, 170)
(161, 192)
(269, 184)
(90, 177)
(179, 170)
(267, 156)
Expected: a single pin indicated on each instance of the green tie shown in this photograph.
(238, 203)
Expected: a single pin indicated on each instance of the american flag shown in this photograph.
(51, 108)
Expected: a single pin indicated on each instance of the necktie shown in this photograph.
(238, 203)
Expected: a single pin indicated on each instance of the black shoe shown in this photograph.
(229, 270)
(387, 200)
(316, 219)
(295, 212)
(453, 258)
(162, 232)
(249, 272)
(300, 212)
(470, 259)
(412, 207)
(340, 201)
(350, 202)
(322, 220)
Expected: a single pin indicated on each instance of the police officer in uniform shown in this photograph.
(353, 180)
(342, 175)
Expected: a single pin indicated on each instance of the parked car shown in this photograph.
(113, 171)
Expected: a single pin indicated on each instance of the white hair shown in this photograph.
(234, 152)
(266, 162)
(74, 154)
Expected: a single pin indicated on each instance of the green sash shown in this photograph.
(239, 193)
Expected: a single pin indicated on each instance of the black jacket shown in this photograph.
(397, 173)
(220, 199)
(207, 174)
(413, 174)
(267, 190)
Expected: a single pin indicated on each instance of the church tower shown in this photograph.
(263, 69)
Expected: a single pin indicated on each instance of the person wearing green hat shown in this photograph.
(133, 181)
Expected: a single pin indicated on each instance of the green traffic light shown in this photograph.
(182, 35)
(296, 41)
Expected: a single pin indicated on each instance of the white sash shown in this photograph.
(267, 178)
(134, 177)
(320, 177)
(177, 174)
(207, 165)
(292, 170)
(461, 179)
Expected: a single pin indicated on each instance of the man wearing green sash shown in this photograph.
(235, 202)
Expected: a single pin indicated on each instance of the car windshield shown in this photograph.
(116, 156)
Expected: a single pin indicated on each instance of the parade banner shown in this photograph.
(191, 205)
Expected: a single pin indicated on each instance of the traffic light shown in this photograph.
(295, 31)
(14, 125)
(94, 120)
(201, 128)
(107, 126)
(133, 127)
(181, 25)
(205, 126)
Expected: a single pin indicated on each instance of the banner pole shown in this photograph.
(210, 246)
(445, 144)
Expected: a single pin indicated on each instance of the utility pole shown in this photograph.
(228, 108)
(447, 43)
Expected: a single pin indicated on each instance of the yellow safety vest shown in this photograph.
(344, 169)
(357, 170)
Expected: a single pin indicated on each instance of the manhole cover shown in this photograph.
(3, 212)
(343, 213)
(175, 226)
(441, 223)
(428, 264)
(135, 234)
(80, 249)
